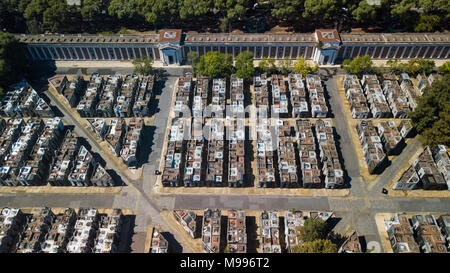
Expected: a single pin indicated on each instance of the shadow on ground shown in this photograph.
(126, 234)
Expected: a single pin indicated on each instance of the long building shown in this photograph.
(173, 163)
(211, 232)
(287, 163)
(236, 232)
(171, 46)
(311, 176)
(236, 154)
(270, 232)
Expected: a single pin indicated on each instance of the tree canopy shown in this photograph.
(215, 65)
(413, 66)
(244, 65)
(143, 65)
(313, 229)
(285, 66)
(302, 67)
(316, 246)
(38, 16)
(267, 65)
(193, 59)
(445, 68)
(12, 60)
(431, 117)
(359, 65)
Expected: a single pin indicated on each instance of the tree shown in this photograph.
(231, 9)
(35, 9)
(12, 60)
(302, 67)
(267, 65)
(313, 229)
(286, 9)
(158, 11)
(55, 15)
(193, 59)
(419, 66)
(194, 8)
(316, 246)
(91, 8)
(396, 66)
(359, 65)
(244, 65)
(431, 117)
(123, 9)
(285, 65)
(49, 14)
(215, 65)
(445, 68)
(11, 15)
(364, 12)
(321, 10)
(227, 249)
(123, 30)
(143, 65)
(223, 24)
(427, 23)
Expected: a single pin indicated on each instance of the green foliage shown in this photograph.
(227, 249)
(419, 66)
(223, 24)
(55, 15)
(316, 246)
(285, 66)
(123, 30)
(359, 65)
(302, 67)
(34, 26)
(319, 45)
(396, 66)
(158, 11)
(215, 65)
(445, 68)
(143, 65)
(431, 117)
(192, 8)
(123, 9)
(427, 23)
(313, 229)
(364, 12)
(193, 59)
(49, 14)
(35, 9)
(90, 8)
(232, 9)
(415, 15)
(267, 65)
(286, 9)
(12, 60)
(321, 10)
(109, 32)
(244, 65)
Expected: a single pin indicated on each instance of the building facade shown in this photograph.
(171, 46)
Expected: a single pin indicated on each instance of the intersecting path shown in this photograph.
(357, 211)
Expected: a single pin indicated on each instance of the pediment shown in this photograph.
(169, 46)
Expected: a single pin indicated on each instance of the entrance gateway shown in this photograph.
(169, 46)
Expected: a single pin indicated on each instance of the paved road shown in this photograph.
(357, 210)
(385, 178)
(136, 195)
